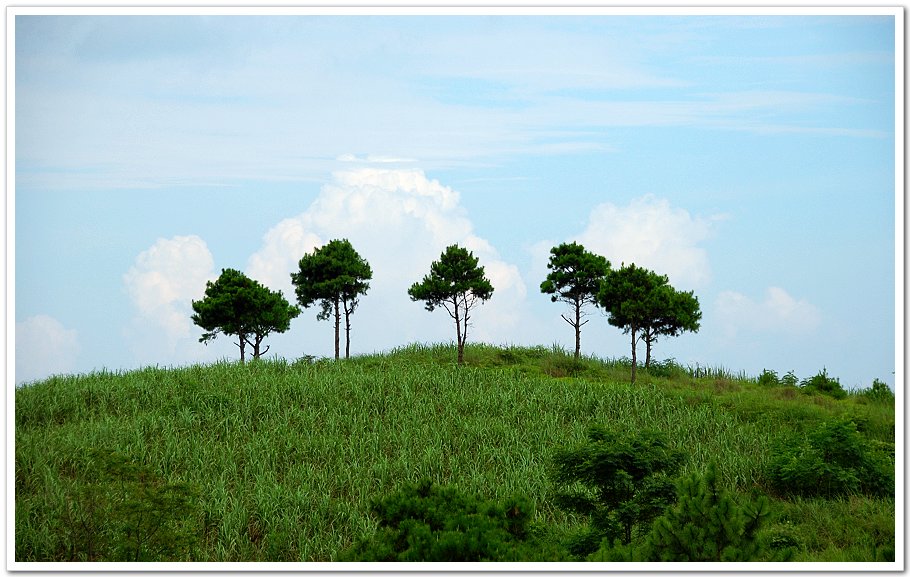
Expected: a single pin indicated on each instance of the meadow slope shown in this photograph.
(283, 457)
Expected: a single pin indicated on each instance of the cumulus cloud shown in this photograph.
(161, 284)
(653, 234)
(399, 221)
(44, 347)
(779, 312)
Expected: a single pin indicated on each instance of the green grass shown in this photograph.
(286, 456)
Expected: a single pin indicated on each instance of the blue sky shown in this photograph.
(751, 158)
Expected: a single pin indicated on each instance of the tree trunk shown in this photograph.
(347, 332)
(459, 341)
(337, 326)
(257, 347)
(648, 338)
(577, 329)
(242, 345)
(634, 358)
(256, 343)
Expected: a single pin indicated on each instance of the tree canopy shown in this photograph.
(575, 277)
(671, 313)
(457, 283)
(642, 302)
(335, 275)
(620, 480)
(237, 305)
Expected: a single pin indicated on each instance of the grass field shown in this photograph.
(284, 457)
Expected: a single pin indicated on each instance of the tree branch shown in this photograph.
(445, 305)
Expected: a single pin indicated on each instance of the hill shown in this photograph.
(278, 461)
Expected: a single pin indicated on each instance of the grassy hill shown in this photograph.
(278, 461)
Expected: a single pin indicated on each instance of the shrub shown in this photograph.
(619, 482)
(880, 392)
(783, 541)
(510, 356)
(431, 523)
(667, 369)
(118, 510)
(706, 524)
(768, 379)
(835, 459)
(789, 380)
(824, 384)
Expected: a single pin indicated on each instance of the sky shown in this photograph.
(750, 158)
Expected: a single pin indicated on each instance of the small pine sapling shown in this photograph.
(706, 524)
(427, 522)
(619, 482)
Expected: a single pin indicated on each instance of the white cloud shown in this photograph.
(384, 213)
(652, 234)
(44, 347)
(161, 284)
(399, 221)
(779, 312)
(283, 246)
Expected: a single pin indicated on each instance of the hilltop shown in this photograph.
(278, 461)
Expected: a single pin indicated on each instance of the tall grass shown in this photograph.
(286, 456)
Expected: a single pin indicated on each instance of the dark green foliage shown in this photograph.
(668, 369)
(789, 380)
(643, 304)
(624, 294)
(706, 524)
(575, 277)
(335, 275)
(782, 542)
(671, 313)
(426, 522)
(237, 305)
(879, 392)
(823, 384)
(835, 459)
(117, 510)
(768, 378)
(456, 282)
(618, 481)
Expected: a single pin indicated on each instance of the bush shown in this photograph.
(430, 523)
(619, 482)
(880, 392)
(706, 524)
(768, 379)
(835, 459)
(824, 384)
(118, 510)
(789, 380)
(667, 369)
(783, 541)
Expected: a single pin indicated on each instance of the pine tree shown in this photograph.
(239, 306)
(457, 283)
(575, 277)
(706, 524)
(627, 480)
(336, 276)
